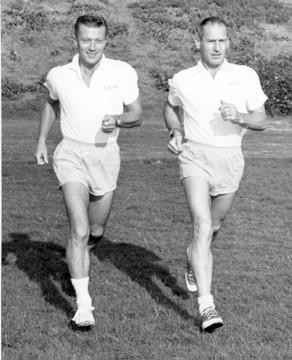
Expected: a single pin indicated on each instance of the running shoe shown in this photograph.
(83, 316)
(210, 319)
(190, 279)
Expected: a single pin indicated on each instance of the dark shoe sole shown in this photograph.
(211, 328)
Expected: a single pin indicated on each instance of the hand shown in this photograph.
(41, 154)
(175, 144)
(228, 112)
(108, 123)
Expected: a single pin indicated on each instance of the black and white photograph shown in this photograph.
(146, 179)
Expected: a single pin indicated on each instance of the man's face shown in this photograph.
(91, 42)
(213, 45)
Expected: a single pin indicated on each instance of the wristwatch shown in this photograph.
(118, 121)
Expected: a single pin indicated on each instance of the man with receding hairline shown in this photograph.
(218, 101)
(97, 96)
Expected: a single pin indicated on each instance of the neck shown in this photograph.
(212, 70)
(88, 68)
(87, 71)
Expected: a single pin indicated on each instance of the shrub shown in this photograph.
(81, 9)
(160, 79)
(12, 89)
(117, 28)
(35, 21)
(275, 79)
(276, 82)
(162, 15)
(32, 21)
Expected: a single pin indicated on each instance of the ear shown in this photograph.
(74, 39)
(197, 42)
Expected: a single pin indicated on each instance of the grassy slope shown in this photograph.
(143, 311)
(37, 35)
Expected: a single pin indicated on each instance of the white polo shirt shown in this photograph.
(113, 85)
(200, 95)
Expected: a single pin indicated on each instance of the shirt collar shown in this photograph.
(74, 64)
(224, 67)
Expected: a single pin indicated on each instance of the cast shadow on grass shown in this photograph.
(43, 263)
(142, 266)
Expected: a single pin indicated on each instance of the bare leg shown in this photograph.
(200, 255)
(76, 200)
(99, 211)
(207, 215)
(220, 206)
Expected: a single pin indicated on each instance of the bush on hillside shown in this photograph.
(275, 77)
(12, 89)
(160, 79)
(169, 14)
(117, 29)
(277, 83)
(161, 17)
(31, 21)
(81, 9)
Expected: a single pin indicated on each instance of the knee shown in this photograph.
(79, 234)
(202, 228)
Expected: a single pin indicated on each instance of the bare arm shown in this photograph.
(48, 117)
(132, 115)
(130, 118)
(173, 122)
(254, 120)
(172, 117)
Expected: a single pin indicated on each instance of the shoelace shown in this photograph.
(209, 312)
(191, 277)
(190, 274)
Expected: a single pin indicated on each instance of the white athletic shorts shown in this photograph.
(96, 166)
(222, 167)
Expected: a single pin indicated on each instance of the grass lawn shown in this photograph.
(142, 308)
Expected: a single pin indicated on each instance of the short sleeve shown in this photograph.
(129, 84)
(50, 84)
(255, 97)
(174, 95)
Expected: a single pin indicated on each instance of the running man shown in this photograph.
(96, 96)
(210, 107)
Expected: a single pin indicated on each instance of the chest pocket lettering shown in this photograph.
(113, 97)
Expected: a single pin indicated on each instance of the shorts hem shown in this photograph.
(72, 181)
(211, 192)
(96, 193)
(103, 192)
(182, 177)
(223, 192)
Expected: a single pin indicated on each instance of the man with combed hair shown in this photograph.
(96, 96)
(209, 108)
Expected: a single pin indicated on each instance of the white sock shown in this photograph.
(205, 302)
(81, 290)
